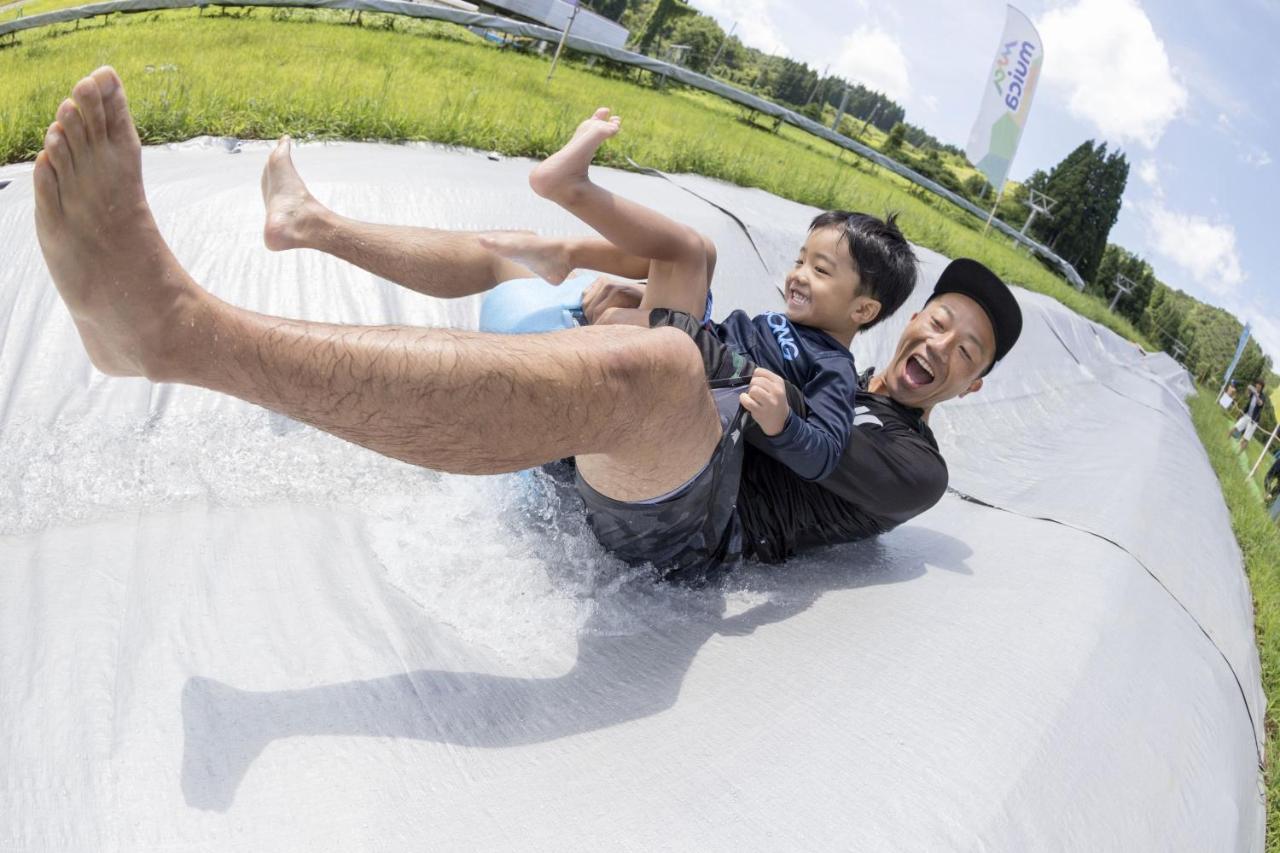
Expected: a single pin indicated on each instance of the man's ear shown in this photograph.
(865, 310)
(973, 388)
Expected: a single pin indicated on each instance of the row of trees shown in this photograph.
(658, 24)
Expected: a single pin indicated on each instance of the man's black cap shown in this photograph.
(968, 277)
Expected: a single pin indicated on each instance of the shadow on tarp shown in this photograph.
(615, 679)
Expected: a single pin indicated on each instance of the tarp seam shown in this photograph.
(1239, 685)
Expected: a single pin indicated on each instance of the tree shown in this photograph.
(893, 142)
(702, 35)
(611, 9)
(660, 20)
(1086, 186)
(1117, 260)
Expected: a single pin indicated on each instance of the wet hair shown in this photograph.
(883, 258)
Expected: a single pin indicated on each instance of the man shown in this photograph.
(1248, 421)
(657, 460)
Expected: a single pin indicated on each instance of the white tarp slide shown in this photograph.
(221, 630)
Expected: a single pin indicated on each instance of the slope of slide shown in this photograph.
(223, 630)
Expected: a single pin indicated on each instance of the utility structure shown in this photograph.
(816, 86)
(844, 102)
(1179, 352)
(1039, 203)
(1123, 285)
(564, 37)
(715, 60)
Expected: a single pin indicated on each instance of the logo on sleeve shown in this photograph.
(782, 332)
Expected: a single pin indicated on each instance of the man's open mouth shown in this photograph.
(918, 372)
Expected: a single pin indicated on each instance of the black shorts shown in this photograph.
(691, 534)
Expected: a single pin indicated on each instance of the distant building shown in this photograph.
(555, 14)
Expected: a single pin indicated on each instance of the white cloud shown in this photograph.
(1205, 250)
(1149, 174)
(1107, 58)
(1262, 327)
(754, 19)
(1256, 157)
(872, 57)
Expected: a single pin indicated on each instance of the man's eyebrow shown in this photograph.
(968, 333)
(823, 256)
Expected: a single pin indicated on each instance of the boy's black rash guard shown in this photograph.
(815, 363)
(890, 471)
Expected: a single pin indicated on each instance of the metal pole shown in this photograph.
(992, 214)
(1265, 448)
(870, 119)
(844, 100)
(716, 59)
(564, 37)
(817, 85)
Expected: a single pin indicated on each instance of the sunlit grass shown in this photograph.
(1260, 545)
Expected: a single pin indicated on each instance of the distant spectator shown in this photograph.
(1248, 421)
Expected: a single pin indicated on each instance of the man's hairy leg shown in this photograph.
(451, 401)
(438, 263)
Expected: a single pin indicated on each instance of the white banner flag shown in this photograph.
(1007, 99)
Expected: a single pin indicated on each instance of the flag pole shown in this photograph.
(992, 214)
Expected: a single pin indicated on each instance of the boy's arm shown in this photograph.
(811, 445)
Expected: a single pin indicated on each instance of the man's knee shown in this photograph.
(662, 367)
(709, 250)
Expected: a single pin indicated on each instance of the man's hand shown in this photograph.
(605, 293)
(766, 400)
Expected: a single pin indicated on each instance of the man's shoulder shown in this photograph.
(891, 464)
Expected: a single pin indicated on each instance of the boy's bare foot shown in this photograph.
(547, 257)
(290, 207)
(564, 173)
(128, 295)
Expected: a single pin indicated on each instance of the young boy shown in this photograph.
(832, 292)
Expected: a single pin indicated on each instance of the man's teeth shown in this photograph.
(920, 362)
(799, 297)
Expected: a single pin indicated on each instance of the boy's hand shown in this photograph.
(605, 293)
(766, 400)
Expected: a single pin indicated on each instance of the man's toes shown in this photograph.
(72, 124)
(89, 100)
(115, 105)
(46, 183)
(55, 145)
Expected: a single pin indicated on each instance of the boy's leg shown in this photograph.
(451, 401)
(676, 253)
(430, 261)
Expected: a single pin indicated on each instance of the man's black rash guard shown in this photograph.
(812, 438)
(890, 471)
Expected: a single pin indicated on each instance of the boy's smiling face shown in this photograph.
(824, 288)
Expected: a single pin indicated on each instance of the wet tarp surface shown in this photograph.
(222, 630)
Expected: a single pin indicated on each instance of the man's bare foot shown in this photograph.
(564, 173)
(128, 295)
(547, 257)
(290, 207)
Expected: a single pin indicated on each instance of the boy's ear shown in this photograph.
(865, 310)
(973, 388)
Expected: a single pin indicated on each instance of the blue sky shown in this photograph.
(1189, 90)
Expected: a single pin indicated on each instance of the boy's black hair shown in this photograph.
(881, 255)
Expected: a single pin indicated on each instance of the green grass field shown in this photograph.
(260, 73)
(1260, 545)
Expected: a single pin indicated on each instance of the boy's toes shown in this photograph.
(89, 100)
(602, 114)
